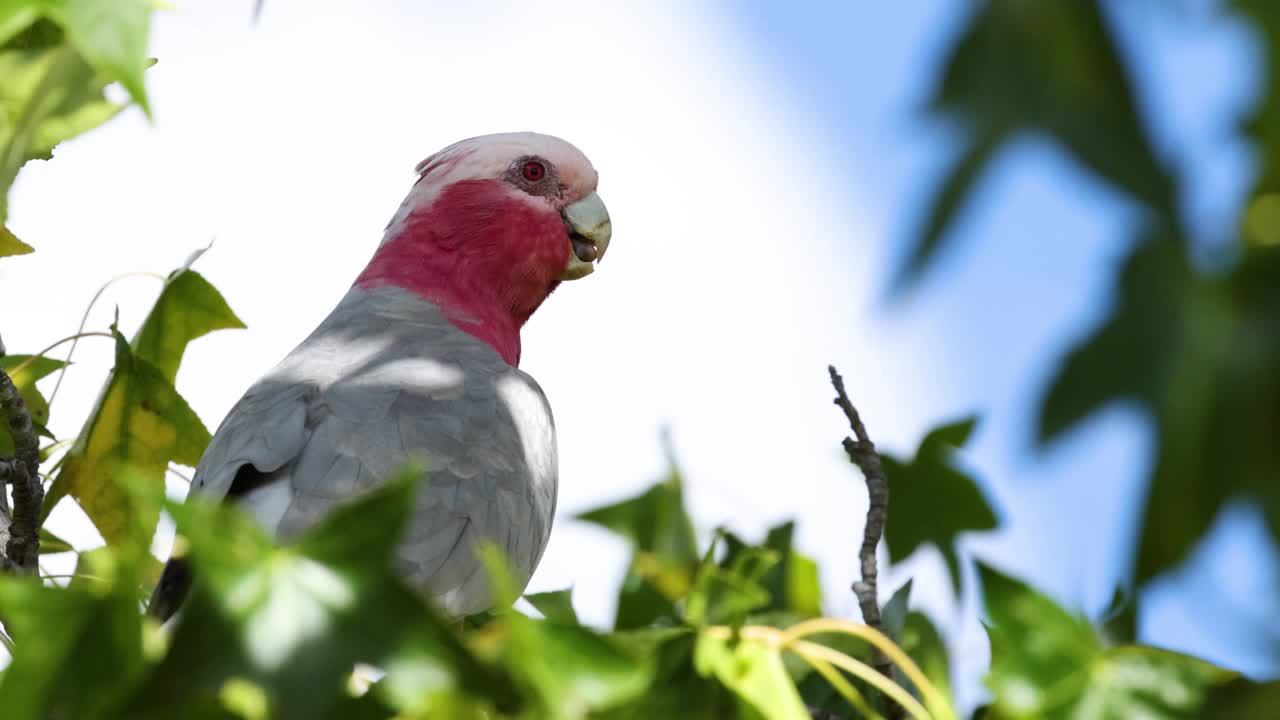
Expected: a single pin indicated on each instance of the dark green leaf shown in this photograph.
(894, 613)
(792, 583)
(927, 482)
(1241, 699)
(1202, 357)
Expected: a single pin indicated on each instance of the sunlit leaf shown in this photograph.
(754, 672)
(1048, 663)
(293, 620)
(49, 94)
(556, 606)
(932, 480)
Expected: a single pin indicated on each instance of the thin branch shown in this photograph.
(23, 471)
(862, 452)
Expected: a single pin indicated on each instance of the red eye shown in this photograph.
(533, 171)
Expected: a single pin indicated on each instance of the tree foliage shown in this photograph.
(729, 629)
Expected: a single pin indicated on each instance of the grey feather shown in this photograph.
(386, 378)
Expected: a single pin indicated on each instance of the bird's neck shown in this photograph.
(486, 261)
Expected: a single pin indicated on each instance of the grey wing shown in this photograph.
(482, 482)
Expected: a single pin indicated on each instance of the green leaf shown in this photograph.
(293, 620)
(140, 425)
(1048, 663)
(922, 643)
(10, 244)
(111, 35)
(556, 606)
(79, 649)
(929, 481)
(723, 595)
(752, 671)
(792, 582)
(50, 543)
(188, 308)
(665, 556)
(1241, 698)
(677, 689)
(24, 379)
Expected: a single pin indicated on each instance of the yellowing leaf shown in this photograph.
(24, 371)
(140, 426)
(11, 245)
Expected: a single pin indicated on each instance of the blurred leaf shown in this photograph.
(894, 614)
(556, 606)
(188, 308)
(49, 94)
(1242, 698)
(931, 480)
(79, 649)
(1049, 66)
(140, 424)
(1202, 357)
(752, 671)
(1264, 124)
(50, 543)
(948, 202)
(1048, 663)
(665, 553)
(293, 620)
(110, 34)
(677, 690)
(10, 244)
(792, 583)
(572, 669)
(25, 382)
(724, 595)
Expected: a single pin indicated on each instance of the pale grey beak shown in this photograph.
(589, 230)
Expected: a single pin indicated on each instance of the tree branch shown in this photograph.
(23, 471)
(862, 452)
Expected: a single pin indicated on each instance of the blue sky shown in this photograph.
(1029, 272)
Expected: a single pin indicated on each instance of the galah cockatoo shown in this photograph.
(419, 360)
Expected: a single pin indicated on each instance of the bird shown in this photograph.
(420, 360)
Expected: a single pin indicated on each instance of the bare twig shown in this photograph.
(23, 472)
(862, 452)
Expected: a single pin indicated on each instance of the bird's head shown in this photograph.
(491, 227)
